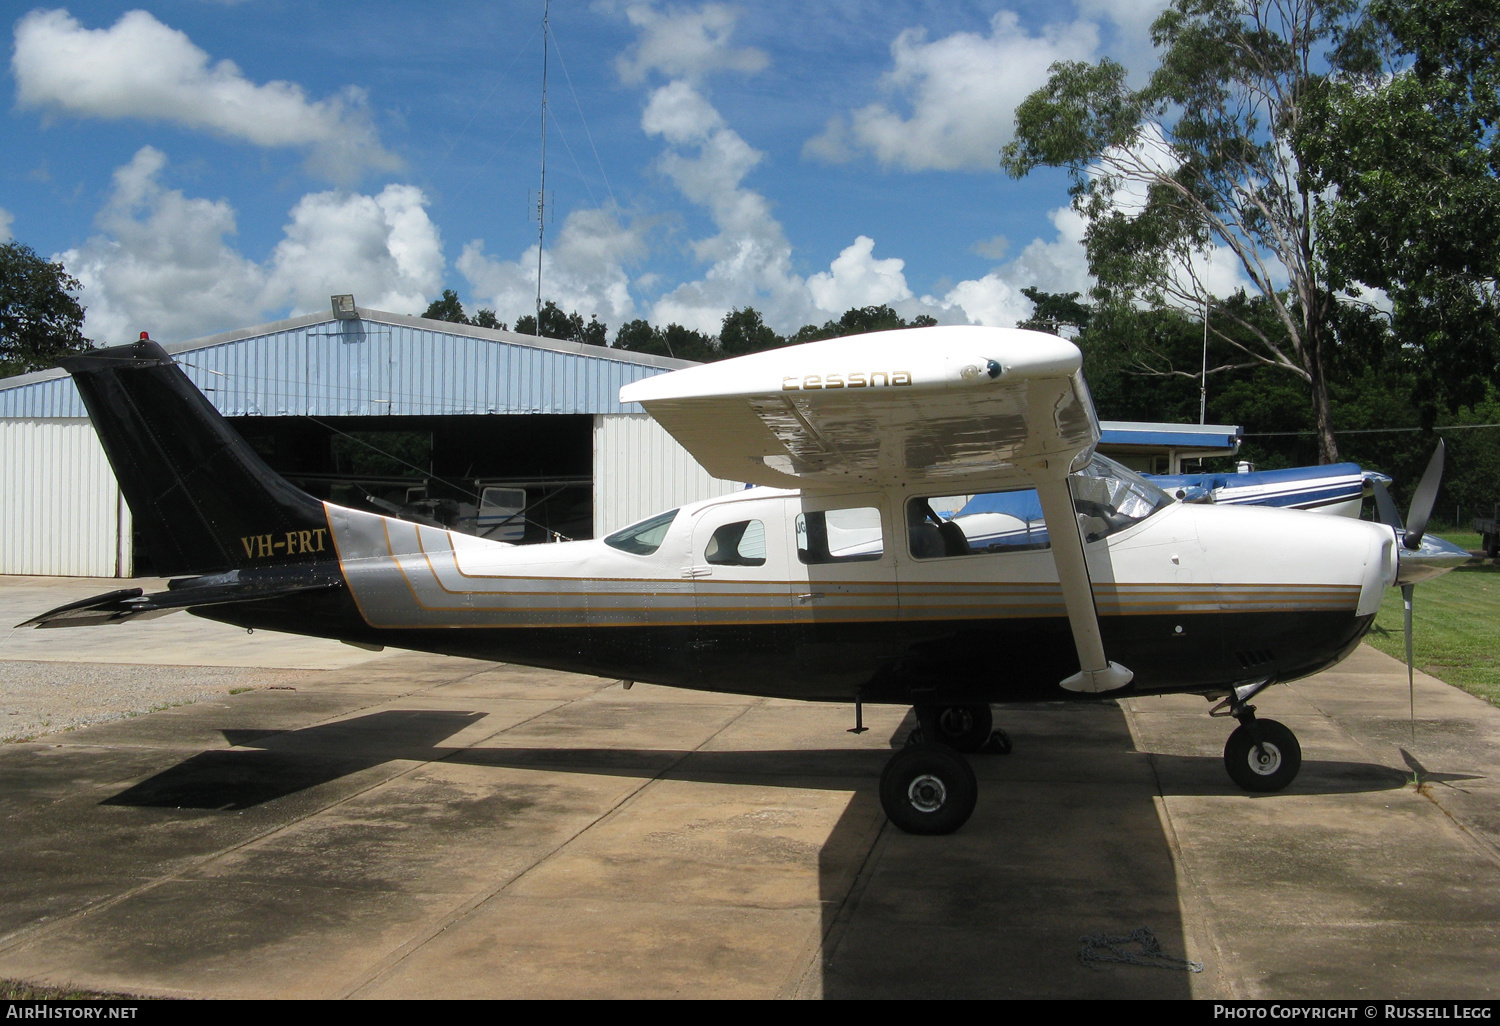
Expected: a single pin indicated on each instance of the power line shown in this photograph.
(1370, 431)
(590, 135)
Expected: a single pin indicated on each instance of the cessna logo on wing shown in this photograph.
(853, 379)
(288, 543)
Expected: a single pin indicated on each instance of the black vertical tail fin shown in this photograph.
(202, 500)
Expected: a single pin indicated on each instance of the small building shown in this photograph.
(511, 436)
(1161, 448)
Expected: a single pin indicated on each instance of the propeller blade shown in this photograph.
(1407, 590)
(1385, 506)
(1424, 497)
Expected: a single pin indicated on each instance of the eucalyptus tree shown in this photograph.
(1209, 155)
(1414, 156)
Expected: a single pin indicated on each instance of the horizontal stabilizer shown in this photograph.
(212, 590)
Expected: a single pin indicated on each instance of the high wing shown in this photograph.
(909, 407)
(961, 408)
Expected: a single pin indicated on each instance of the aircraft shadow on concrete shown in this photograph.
(271, 764)
(1021, 929)
(266, 765)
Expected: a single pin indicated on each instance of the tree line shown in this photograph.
(742, 330)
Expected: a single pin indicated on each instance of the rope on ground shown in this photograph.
(1139, 947)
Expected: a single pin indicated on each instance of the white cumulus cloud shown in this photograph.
(381, 248)
(856, 278)
(163, 261)
(749, 257)
(954, 99)
(684, 43)
(162, 264)
(1058, 264)
(141, 68)
(585, 269)
(6, 220)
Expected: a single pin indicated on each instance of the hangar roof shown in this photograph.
(377, 364)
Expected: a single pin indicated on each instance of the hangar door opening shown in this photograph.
(523, 478)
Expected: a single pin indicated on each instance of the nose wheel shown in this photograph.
(1262, 755)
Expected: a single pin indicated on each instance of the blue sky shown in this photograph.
(203, 166)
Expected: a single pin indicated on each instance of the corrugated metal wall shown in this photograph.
(639, 470)
(371, 367)
(60, 509)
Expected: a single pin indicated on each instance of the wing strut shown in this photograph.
(1097, 673)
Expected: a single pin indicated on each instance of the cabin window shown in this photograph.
(738, 544)
(644, 538)
(839, 535)
(967, 525)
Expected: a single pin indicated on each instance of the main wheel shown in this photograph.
(1267, 767)
(928, 789)
(963, 728)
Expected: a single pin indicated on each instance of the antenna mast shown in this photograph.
(541, 199)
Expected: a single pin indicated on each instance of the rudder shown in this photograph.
(202, 500)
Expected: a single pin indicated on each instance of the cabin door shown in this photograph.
(738, 562)
(844, 589)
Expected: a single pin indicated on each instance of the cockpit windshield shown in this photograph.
(644, 538)
(1110, 498)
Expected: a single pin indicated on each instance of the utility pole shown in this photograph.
(1203, 378)
(541, 199)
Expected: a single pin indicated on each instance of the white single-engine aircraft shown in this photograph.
(837, 581)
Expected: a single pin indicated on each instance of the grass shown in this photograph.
(1455, 625)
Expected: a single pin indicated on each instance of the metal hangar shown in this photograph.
(508, 435)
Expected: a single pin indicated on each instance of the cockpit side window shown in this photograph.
(839, 535)
(969, 525)
(644, 538)
(738, 544)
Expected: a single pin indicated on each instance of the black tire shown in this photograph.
(928, 789)
(1271, 767)
(963, 728)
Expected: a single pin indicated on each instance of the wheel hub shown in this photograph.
(927, 793)
(1265, 759)
(956, 721)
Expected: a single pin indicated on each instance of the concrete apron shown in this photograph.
(417, 826)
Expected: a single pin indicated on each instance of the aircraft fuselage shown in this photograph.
(1190, 598)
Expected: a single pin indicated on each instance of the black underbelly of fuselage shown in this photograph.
(897, 661)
